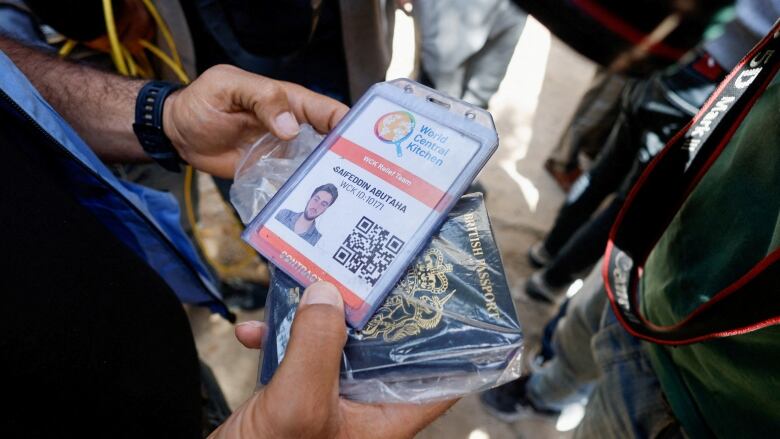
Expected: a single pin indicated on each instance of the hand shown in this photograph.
(302, 399)
(223, 112)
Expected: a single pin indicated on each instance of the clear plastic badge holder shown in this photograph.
(367, 199)
(438, 335)
(265, 168)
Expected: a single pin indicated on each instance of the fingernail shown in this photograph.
(252, 323)
(287, 124)
(322, 293)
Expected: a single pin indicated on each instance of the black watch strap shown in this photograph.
(148, 126)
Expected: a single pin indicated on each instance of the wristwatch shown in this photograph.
(148, 126)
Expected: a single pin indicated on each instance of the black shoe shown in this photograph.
(537, 288)
(538, 256)
(510, 402)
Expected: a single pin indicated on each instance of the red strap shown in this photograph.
(748, 304)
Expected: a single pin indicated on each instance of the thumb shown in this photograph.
(308, 378)
(302, 398)
(269, 102)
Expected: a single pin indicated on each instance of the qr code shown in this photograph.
(368, 250)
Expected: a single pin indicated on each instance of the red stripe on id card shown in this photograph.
(285, 256)
(390, 172)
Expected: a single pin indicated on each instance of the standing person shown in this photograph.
(701, 226)
(466, 45)
(651, 111)
(102, 331)
(335, 47)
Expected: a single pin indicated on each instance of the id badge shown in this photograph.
(368, 198)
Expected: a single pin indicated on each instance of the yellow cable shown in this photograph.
(113, 38)
(179, 71)
(135, 69)
(145, 65)
(142, 72)
(166, 32)
(126, 65)
(224, 271)
(131, 66)
(67, 48)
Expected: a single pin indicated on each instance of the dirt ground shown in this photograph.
(542, 87)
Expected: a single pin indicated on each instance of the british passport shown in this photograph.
(448, 328)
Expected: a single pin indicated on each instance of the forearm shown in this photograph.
(100, 106)
(210, 123)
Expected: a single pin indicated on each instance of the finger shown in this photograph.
(251, 334)
(263, 97)
(319, 111)
(269, 104)
(307, 379)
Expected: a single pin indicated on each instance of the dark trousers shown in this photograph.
(584, 248)
(652, 111)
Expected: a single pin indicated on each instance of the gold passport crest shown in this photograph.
(420, 304)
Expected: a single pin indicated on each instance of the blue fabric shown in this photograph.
(22, 26)
(596, 358)
(146, 220)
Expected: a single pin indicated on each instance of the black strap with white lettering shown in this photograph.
(752, 301)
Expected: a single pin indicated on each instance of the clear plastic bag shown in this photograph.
(266, 166)
(449, 328)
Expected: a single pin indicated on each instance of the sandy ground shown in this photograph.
(543, 85)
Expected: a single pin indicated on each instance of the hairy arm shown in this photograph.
(210, 122)
(99, 105)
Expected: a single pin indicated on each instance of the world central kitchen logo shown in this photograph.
(397, 127)
(394, 128)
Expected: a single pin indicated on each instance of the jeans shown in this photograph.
(565, 377)
(19, 24)
(597, 358)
